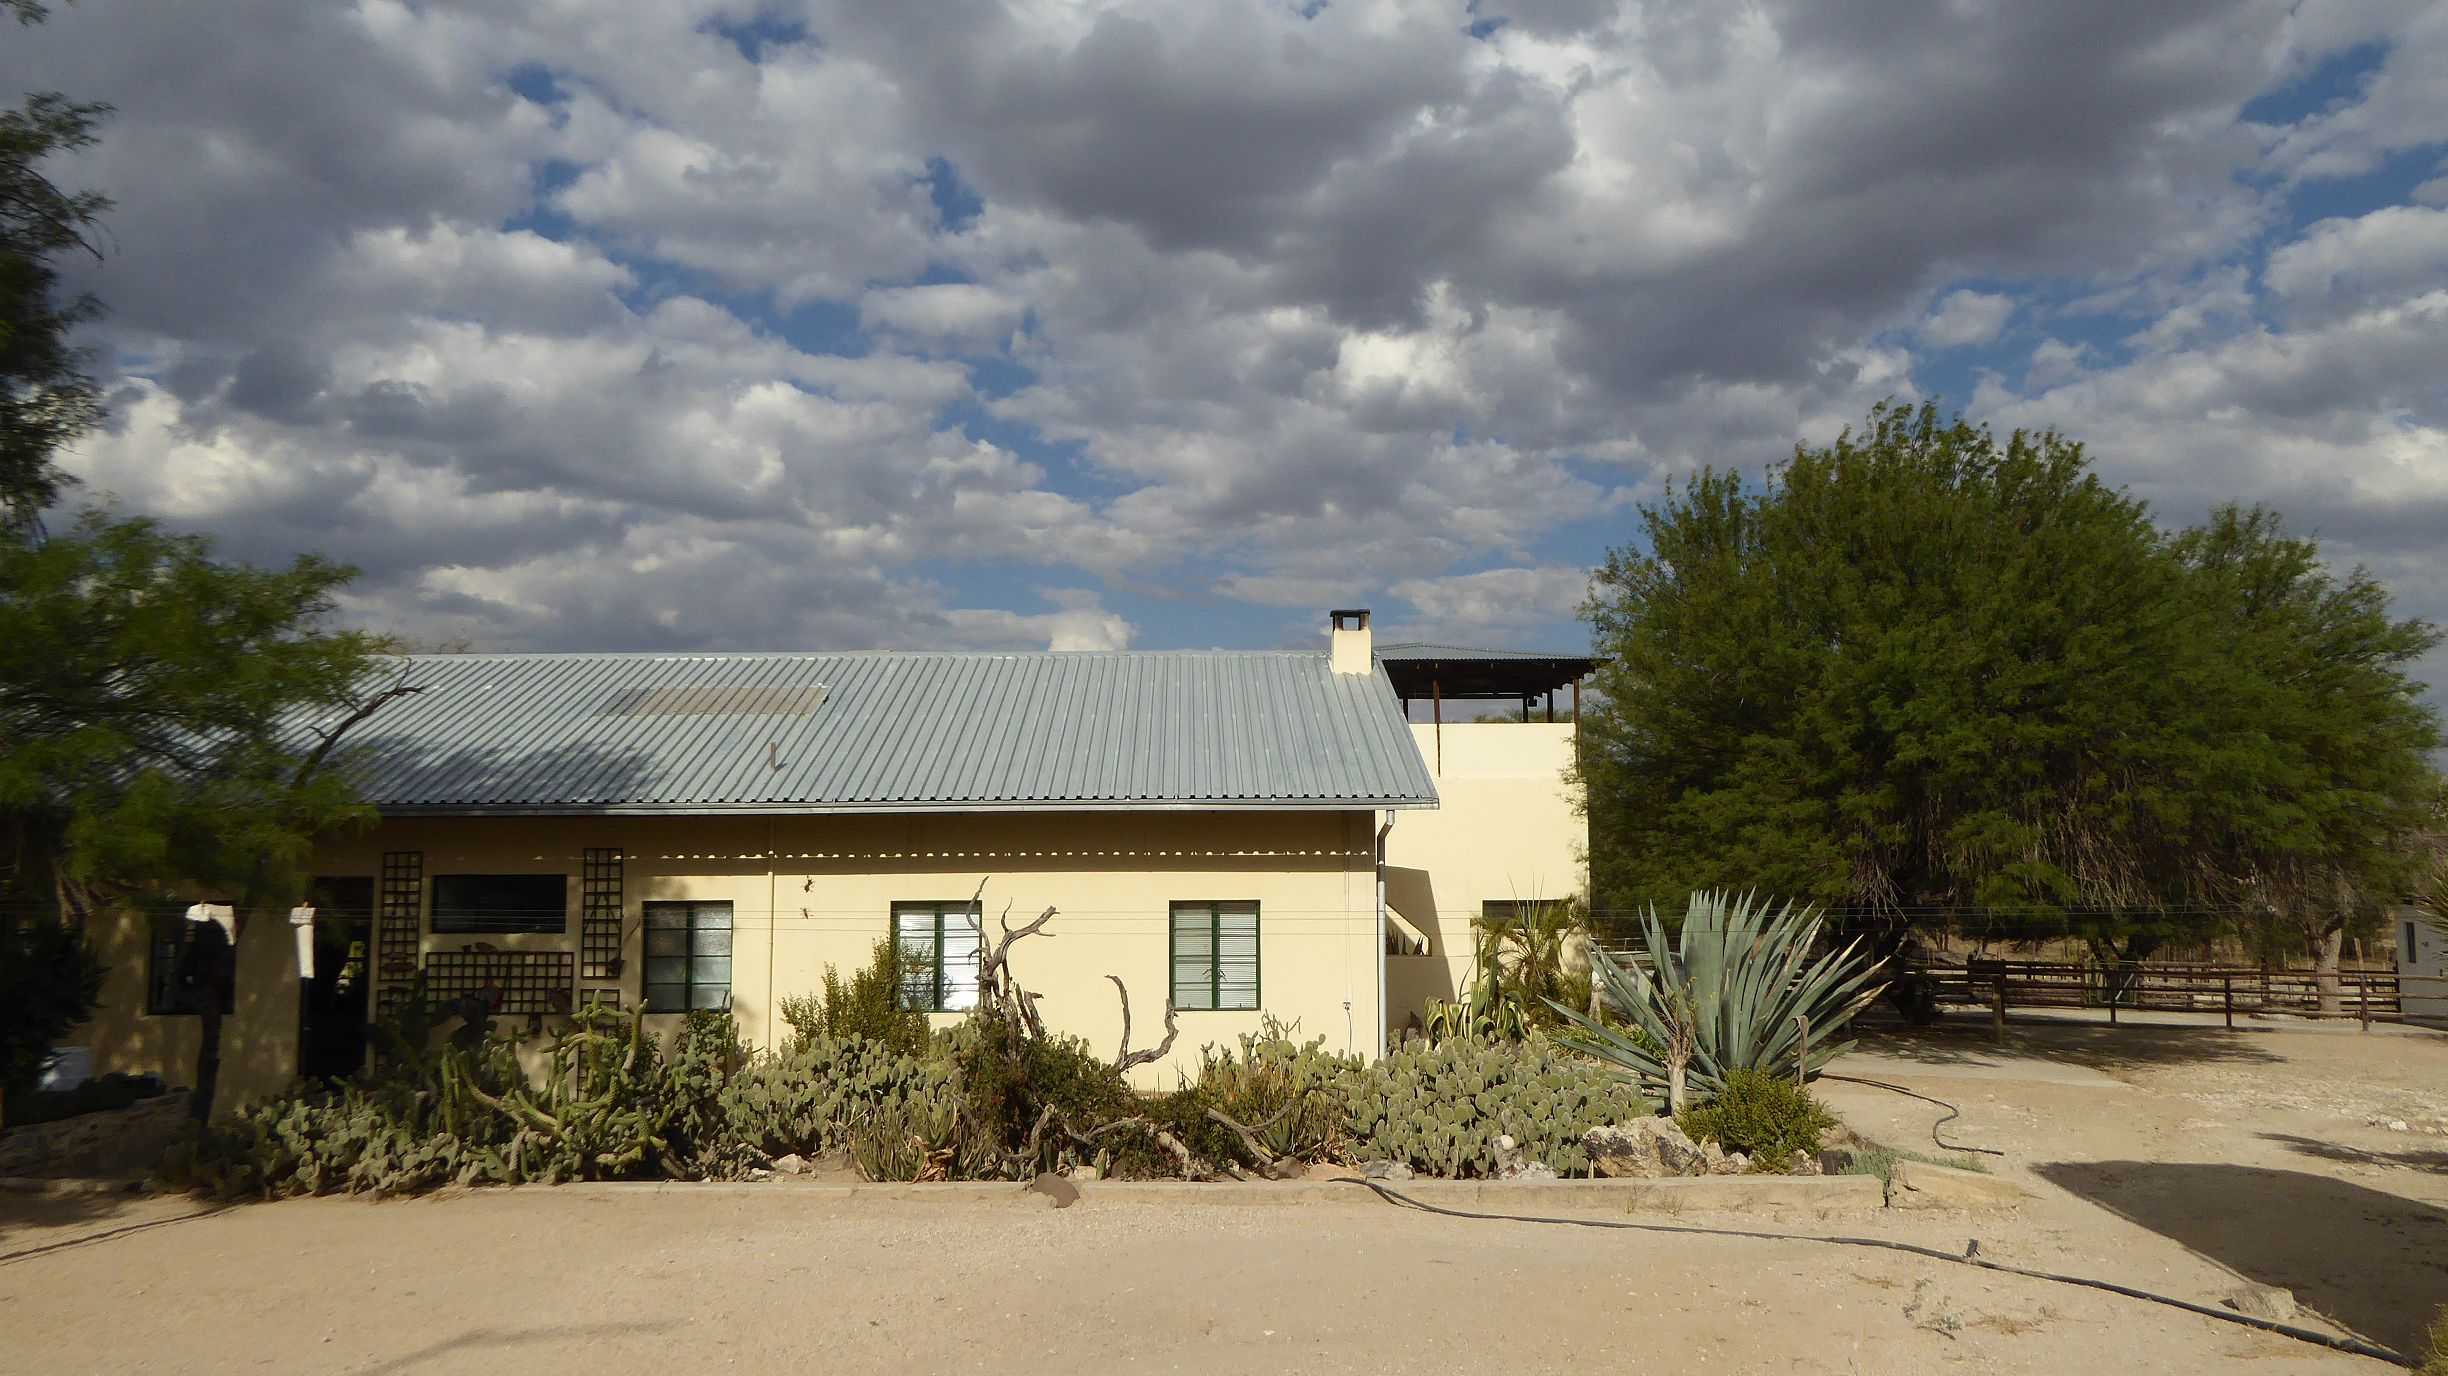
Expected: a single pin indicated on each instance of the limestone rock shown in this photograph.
(1387, 1170)
(790, 1163)
(1650, 1149)
(1054, 1187)
(2271, 1302)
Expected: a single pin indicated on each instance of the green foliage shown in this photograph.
(101, 1094)
(867, 1006)
(2435, 1345)
(1290, 1095)
(1440, 1107)
(814, 1098)
(150, 696)
(2323, 760)
(917, 1139)
(49, 980)
(1769, 1117)
(1031, 1099)
(1738, 985)
(1520, 974)
(1924, 667)
(46, 399)
(1880, 1161)
(610, 1106)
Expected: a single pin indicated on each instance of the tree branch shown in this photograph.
(326, 740)
(1126, 1058)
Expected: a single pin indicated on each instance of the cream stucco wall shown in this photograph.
(258, 1038)
(808, 892)
(1505, 828)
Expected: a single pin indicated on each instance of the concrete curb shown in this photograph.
(70, 1186)
(1924, 1185)
(1814, 1195)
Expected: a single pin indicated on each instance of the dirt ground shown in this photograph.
(2185, 1160)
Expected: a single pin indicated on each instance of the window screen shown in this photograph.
(939, 948)
(501, 903)
(1215, 956)
(688, 956)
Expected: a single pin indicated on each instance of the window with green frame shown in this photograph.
(1215, 956)
(688, 956)
(939, 947)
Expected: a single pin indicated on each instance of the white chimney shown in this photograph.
(1350, 651)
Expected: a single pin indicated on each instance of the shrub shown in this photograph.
(2435, 1346)
(916, 1139)
(612, 1105)
(1733, 992)
(1288, 1094)
(98, 1095)
(1880, 1161)
(1769, 1117)
(1043, 1103)
(1440, 1108)
(49, 980)
(867, 1006)
(1521, 976)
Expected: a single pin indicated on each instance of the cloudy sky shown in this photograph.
(665, 324)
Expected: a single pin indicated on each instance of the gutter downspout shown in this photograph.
(773, 919)
(1384, 1022)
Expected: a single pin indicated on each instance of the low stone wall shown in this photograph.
(1789, 1195)
(119, 1144)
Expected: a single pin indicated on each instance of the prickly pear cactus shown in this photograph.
(1440, 1108)
(814, 1098)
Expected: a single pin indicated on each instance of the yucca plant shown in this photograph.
(1738, 988)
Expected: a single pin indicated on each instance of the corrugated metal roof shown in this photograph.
(887, 731)
(1417, 649)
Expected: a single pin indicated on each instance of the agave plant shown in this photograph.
(1738, 990)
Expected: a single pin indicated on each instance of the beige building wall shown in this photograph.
(258, 1038)
(1506, 827)
(807, 892)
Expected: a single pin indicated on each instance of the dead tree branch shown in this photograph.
(1126, 1058)
(1171, 1143)
(326, 739)
(998, 989)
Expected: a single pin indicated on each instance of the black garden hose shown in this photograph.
(1970, 1257)
(1952, 1112)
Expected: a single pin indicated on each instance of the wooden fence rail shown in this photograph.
(2369, 995)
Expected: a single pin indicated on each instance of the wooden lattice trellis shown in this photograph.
(599, 914)
(527, 981)
(399, 922)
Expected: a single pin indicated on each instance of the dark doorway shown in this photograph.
(332, 1009)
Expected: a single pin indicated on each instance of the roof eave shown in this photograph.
(1067, 806)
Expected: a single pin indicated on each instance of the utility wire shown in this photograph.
(1969, 1257)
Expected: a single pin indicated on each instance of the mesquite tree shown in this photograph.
(1924, 669)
